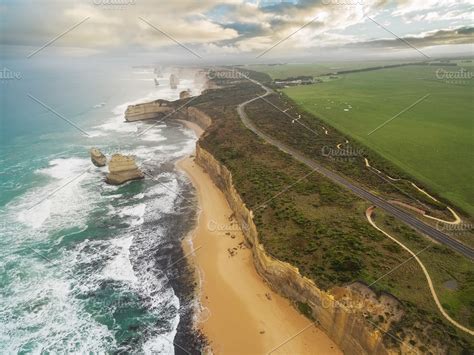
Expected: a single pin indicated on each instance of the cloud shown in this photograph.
(463, 35)
(230, 25)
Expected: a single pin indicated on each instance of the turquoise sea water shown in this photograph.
(84, 265)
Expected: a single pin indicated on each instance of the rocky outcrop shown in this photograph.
(185, 94)
(122, 168)
(149, 110)
(174, 81)
(353, 316)
(97, 158)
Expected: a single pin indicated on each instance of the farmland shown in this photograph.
(431, 141)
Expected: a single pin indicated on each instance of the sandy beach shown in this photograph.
(240, 313)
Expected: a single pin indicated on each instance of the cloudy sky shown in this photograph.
(197, 30)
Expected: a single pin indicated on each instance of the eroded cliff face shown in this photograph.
(122, 168)
(353, 316)
(148, 110)
(198, 117)
(97, 158)
(343, 312)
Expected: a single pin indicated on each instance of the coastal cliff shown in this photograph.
(198, 117)
(341, 312)
(353, 316)
(149, 110)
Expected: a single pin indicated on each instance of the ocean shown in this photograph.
(85, 266)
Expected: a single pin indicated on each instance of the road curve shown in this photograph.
(403, 216)
(368, 214)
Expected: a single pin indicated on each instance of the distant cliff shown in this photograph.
(149, 110)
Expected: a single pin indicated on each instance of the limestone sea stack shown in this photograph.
(185, 94)
(122, 168)
(174, 81)
(97, 158)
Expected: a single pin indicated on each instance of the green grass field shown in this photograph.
(283, 71)
(433, 141)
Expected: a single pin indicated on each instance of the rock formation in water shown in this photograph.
(174, 81)
(97, 158)
(185, 94)
(122, 168)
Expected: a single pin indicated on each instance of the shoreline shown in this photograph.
(238, 312)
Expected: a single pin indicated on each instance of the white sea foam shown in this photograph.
(136, 213)
(165, 195)
(96, 133)
(153, 135)
(42, 310)
(64, 168)
(163, 343)
(36, 216)
(120, 267)
(164, 302)
(43, 307)
(63, 197)
(117, 124)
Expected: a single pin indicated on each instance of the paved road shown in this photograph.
(403, 216)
